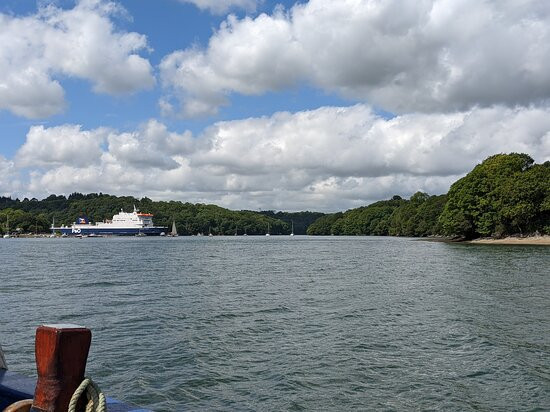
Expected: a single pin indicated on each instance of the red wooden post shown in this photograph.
(61, 354)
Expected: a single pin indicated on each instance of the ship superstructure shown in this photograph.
(122, 224)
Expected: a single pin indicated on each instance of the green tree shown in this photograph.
(505, 194)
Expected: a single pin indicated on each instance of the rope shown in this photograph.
(96, 399)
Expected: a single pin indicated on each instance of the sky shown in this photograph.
(275, 105)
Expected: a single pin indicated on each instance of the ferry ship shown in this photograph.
(122, 224)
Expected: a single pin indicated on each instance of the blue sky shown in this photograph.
(169, 25)
(316, 105)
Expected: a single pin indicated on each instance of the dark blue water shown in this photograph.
(256, 323)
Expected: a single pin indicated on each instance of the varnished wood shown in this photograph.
(61, 354)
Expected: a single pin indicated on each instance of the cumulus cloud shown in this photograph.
(222, 6)
(9, 177)
(61, 145)
(429, 55)
(153, 146)
(80, 42)
(331, 158)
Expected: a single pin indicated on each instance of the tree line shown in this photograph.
(507, 194)
(416, 217)
(37, 216)
(504, 195)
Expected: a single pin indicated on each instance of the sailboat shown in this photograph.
(292, 232)
(53, 230)
(174, 232)
(268, 234)
(7, 235)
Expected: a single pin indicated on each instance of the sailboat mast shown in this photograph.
(174, 229)
(7, 234)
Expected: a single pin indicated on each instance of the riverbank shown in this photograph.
(530, 240)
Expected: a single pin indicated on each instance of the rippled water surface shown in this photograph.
(281, 323)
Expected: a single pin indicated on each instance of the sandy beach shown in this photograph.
(531, 240)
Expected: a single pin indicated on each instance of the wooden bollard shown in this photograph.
(61, 354)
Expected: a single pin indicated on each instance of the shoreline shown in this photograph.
(529, 240)
(510, 240)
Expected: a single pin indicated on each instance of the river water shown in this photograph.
(290, 323)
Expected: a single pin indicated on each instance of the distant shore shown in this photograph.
(529, 240)
(511, 240)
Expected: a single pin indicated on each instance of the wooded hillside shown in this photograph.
(504, 195)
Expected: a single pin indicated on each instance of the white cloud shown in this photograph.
(222, 6)
(153, 146)
(429, 55)
(81, 42)
(61, 145)
(9, 177)
(327, 159)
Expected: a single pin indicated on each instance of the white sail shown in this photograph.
(174, 231)
(7, 235)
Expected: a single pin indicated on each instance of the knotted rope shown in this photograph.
(96, 399)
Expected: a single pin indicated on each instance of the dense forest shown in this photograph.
(36, 216)
(417, 216)
(504, 195)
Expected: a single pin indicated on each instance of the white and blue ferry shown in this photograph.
(122, 224)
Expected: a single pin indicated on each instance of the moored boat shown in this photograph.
(122, 224)
(7, 235)
(174, 231)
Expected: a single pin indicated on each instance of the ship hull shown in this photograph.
(103, 231)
